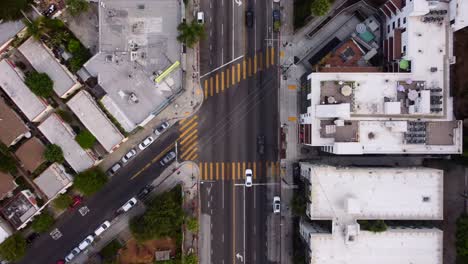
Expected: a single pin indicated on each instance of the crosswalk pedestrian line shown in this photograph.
(191, 140)
(227, 78)
(186, 131)
(217, 171)
(255, 63)
(254, 170)
(206, 170)
(188, 151)
(267, 63)
(243, 168)
(272, 56)
(260, 169)
(211, 86)
(217, 83)
(244, 69)
(185, 139)
(222, 170)
(222, 81)
(238, 171)
(187, 122)
(249, 66)
(211, 171)
(185, 147)
(233, 71)
(238, 72)
(281, 53)
(194, 156)
(200, 167)
(206, 88)
(233, 175)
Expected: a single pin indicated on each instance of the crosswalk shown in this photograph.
(188, 138)
(221, 171)
(234, 73)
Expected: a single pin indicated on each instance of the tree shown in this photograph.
(191, 33)
(13, 248)
(191, 259)
(43, 222)
(7, 163)
(320, 7)
(76, 7)
(461, 236)
(85, 139)
(40, 84)
(63, 201)
(11, 10)
(73, 45)
(192, 225)
(36, 28)
(65, 115)
(90, 181)
(54, 153)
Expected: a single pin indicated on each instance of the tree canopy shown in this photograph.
(40, 84)
(320, 7)
(54, 153)
(13, 248)
(163, 218)
(76, 7)
(11, 9)
(90, 181)
(85, 139)
(192, 224)
(191, 33)
(62, 202)
(7, 162)
(43, 222)
(461, 236)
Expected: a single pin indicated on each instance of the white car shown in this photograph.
(103, 227)
(114, 169)
(276, 204)
(129, 205)
(129, 155)
(170, 156)
(161, 128)
(146, 143)
(201, 18)
(86, 242)
(248, 178)
(72, 254)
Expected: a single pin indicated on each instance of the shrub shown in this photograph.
(76, 7)
(43, 222)
(90, 181)
(63, 201)
(73, 45)
(320, 7)
(277, 26)
(65, 115)
(13, 248)
(11, 10)
(192, 224)
(54, 153)
(191, 259)
(85, 139)
(40, 84)
(373, 225)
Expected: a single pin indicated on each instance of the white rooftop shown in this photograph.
(92, 117)
(20, 94)
(43, 61)
(350, 193)
(53, 180)
(59, 133)
(418, 246)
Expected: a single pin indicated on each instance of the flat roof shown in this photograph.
(31, 154)
(59, 133)
(369, 193)
(417, 246)
(53, 180)
(94, 119)
(8, 29)
(43, 61)
(11, 124)
(19, 93)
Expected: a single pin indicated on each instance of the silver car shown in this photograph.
(170, 156)
(161, 128)
(129, 155)
(72, 254)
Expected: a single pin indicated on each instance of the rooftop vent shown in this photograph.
(426, 199)
(141, 6)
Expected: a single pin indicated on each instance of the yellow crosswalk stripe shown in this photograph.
(211, 171)
(222, 170)
(255, 63)
(243, 169)
(244, 69)
(272, 56)
(277, 169)
(206, 88)
(238, 72)
(233, 71)
(272, 166)
(260, 169)
(189, 142)
(217, 170)
(238, 171)
(188, 136)
(194, 156)
(222, 81)
(206, 170)
(200, 167)
(249, 62)
(260, 61)
(254, 170)
(192, 126)
(211, 86)
(186, 122)
(217, 83)
(267, 63)
(227, 79)
(188, 151)
(233, 175)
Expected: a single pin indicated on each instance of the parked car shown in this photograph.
(76, 201)
(72, 254)
(145, 191)
(103, 227)
(148, 141)
(114, 169)
(276, 15)
(276, 204)
(261, 144)
(249, 18)
(128, 205)
(201, 18)
(161, 128)
(50, 10)
(86, 242)
(131, 154)
(33, 236)
(248, 178)
(170, 156)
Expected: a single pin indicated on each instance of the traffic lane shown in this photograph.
(239, 227)
(75, 227)
(205, 53)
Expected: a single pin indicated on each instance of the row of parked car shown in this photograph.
(159, 130)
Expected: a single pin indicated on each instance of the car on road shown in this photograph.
(201, 18)
(161, 128)
(170, 156)
(249, 18)
(114, 169)
(276, 15)
(72, 254)
(248, 178)
(131, 154)
(86, 242)
(276, 204)
(103, 227)
(261, 144)
(146, 143)
(145, 191)
(76, 201)
(128, 205)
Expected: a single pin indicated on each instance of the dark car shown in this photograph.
(145, 191)
(276, 15)
(31, 238)
(261, 144)
(249, 18)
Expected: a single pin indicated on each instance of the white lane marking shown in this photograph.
(255, 30)
(222, 29)
(238, 2)
(232, 29)
(240, 57)
(244, 221)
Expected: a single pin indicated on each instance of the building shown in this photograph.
(94, 119)
(5, 230)
(62, 135)
(345, 195)
(12, 127)
(458, 14)
(137, 43)
(54, 181)
(31, 154)
(11, 81)
(7, 185)
(42, 59)
(20, 209)
(8, 30)
(406, 110)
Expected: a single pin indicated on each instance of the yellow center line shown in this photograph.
(188, 129)
(217, 83)
(255, 63)
(227, 79)
(233, 79)
(222, 81)
(206, 88)
(211, 86)
(238, 72)
(272, 56)
(211, 171)
(244, 69)
(222, 170)
(187, 123)
(153, 160)
(217, 171)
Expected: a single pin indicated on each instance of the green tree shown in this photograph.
(76, 7)
(62, 202)
(65, 115)
(320, 7)
(79, 58)
(90, 181)
(36, 28)
(191, 259)
(373, 225)
(73, 45)
(163, 218)
(40, 84)
(192, 224)
(11, 10)
(461, 236)
(13, 248)
(191, 33)
(54, 153)
(7, 163)
(43, 222)
(85, 139)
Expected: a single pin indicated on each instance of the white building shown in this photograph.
(345, 195)
(407, 110)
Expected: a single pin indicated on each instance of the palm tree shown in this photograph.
(191, 33)
(36, 28)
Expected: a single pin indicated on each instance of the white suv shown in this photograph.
(103, 227)
(72, 254)
(248, 178)
(276, 204)
(86, 242)
(129, 205)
